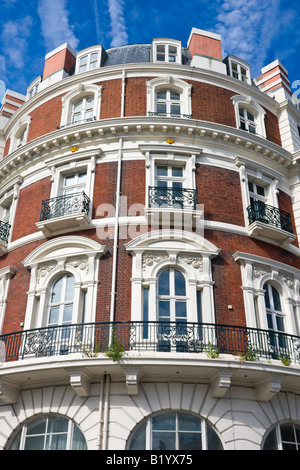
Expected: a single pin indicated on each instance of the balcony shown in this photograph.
(4, 234)
(172, 206)
(162, 337)
(69, 212)
(270, 222)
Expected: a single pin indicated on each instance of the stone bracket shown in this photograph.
(220, 384)
(8, 393)
(133, 375)
(80, 381)
(267, 389)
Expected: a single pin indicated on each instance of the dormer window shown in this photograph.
(88, 60)
(238, 69)
(166, 50)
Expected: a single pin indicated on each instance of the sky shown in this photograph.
(258, 31)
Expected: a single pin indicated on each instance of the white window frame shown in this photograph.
(19, 133)
(254, 108)
(88, 54)
(78, 256)
(183, 250)
(168, 102)
(167, 43)
(256, 272)
(240, 64)
(148, 430)
(85, 110)
(77, 94)
(169, 83)
(33, 88)
(277, 431)
(9, 195)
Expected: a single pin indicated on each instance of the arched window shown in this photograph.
(275, 319)
(60, 312)
(169, 97)
(250, 116)
(247, 121)
(83, 109)
(174, 431)
(284, 436)
(53, 432)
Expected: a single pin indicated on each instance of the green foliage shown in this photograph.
(250, 355)
(91, 350)
(286, 361)
(212, 351)
(115, 350)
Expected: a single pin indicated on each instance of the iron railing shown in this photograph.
(80, 121)
(177, 198)
(4, 231)
(187, 116)
(258, 211)
(64, 205)
(93, 338)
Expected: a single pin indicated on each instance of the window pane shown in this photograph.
(267, 299)
(174, 95)
(162, 171)
(276, 299)
(139, 440)
(163, 283)
(90, 101)
(164, 310)
(180, 310)
(213, 440)
(78, 440)
(160, 48)
(161, 95)
(68, 310)
(166, 422)
(83, 60)
(250, 116)
(56, 442)
(179, 283)
(188, 422)
(287, 433)
(234, 67)
(69, 180)
(190, 441)
(161, 108)
(57, 424)
(34, 443)
(70, 288)
(177, 171)
(279, 323)
(260, 190)
(175, 109)
(37, 427)
(53, 317)
(163, 441)
(271, 441)
(56, 291)
(77, 106)
(82, 178)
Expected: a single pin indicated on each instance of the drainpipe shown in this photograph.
(123, 93)
(116, 237)
(105, 416)
(100, 414)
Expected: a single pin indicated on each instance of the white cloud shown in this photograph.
(248, 29)
(55, 26)
(117, 23)
(14, 36)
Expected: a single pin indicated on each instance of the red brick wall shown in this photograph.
(206, 46)
(61, 60)
(29, 207)
(111, 99)
(285, 204)
(45, 118)
(136, 97)
(272, 127)
(220, 192)
(6, 148)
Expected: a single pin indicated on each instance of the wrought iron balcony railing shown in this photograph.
(162, 337)
(177, 198)
(186, 116)
(4, 231)
(64, 205)
(261, 212)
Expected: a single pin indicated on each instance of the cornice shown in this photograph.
(99, 132)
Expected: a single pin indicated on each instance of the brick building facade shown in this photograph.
(149, 201)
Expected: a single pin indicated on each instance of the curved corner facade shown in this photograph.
(150, 260)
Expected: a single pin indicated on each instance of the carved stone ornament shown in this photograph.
(150, 260)
(288, 280)
(81, 264)
(44, 270)
(259, 271)
(195, 261)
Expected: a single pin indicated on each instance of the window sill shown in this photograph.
(270, 233)
(66, 223)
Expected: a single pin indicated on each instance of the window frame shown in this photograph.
(249, 104)
(167, 43)
(277, 430)
(75, 95)
(88, 53)
(74, 255)
(240, 64)
(172, 84)
(148, 423)
(71, 425)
